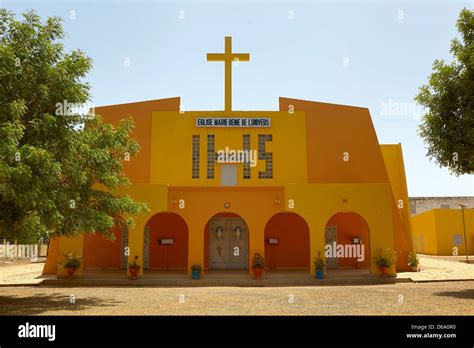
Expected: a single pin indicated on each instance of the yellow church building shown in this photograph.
(224, 185)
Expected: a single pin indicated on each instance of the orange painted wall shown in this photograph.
(293, 250)
(350, 225)
(51, 264)
(403, 244)
(168, 225)
(333, 129)
(206, 236)
(99, 252)
(393, 157)
(102, 253)
(138, 168)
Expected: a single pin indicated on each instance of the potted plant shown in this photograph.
(413, 261)
(196, 271)
(134, 268)
(319, 266)
(258, 265)
(71, 263)
(384, 258)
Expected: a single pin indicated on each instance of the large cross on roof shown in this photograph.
(228, 57)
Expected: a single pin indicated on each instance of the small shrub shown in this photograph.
(385, 257)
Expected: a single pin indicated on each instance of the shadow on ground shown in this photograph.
(41, 303)
(465, 294)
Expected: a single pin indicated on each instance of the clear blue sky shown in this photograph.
(363, 53)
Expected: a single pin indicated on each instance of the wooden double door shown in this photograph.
(228, 243)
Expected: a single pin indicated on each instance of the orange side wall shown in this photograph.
(102, 253)
(51, 264)
(332, 130)
(138, 168)
(393, 157)
(99, 252)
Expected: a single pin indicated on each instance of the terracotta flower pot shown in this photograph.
(258, 273)
(133, 273)
(383, 271)
(70, 272)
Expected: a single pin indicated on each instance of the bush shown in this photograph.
(196, 267)
(134, 265)
(413, 260)
(258, 261)
(385, 257)
(319, 263)
(71, 261)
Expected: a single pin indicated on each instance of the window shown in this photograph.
(458, 239)
(228, 175)
(246, 148)
(196, 148)
(211, 156)
(265, 156)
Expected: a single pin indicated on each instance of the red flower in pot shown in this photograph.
(258, 265)
(71, 263)
(134, 268)
(384, 258)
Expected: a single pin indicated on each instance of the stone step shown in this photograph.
(243, 282)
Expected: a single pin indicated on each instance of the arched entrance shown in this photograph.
(347, 241)
(166, 242)
(101, 253)
(226, 242)
(287, 242)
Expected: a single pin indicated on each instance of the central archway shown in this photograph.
(226, 242)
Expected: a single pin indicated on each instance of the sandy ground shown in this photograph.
(441, 268)
(429, 298)
(20, 272)
(434, 298)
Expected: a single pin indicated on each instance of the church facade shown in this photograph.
(221, 186)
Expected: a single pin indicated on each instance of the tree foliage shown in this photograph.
(448, 126)
(57, 177)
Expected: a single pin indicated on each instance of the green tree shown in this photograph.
(57, 176)
(448, 126)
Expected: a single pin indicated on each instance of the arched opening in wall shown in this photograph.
(101, 253)
(226, 242)
(165, 244)
(347, 241)
(287, 243)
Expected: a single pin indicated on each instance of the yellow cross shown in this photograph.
(228, 57)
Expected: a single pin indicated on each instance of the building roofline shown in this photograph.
(436, 197)
(138, 102)
(320, 102)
